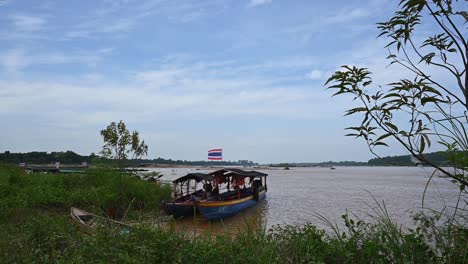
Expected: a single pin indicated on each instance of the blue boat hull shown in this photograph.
(180, 209)
(218, 210)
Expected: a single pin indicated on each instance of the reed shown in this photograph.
(34, 227)
(95, 190)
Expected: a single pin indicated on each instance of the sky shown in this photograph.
(243, 75)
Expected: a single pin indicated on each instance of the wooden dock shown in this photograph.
(55, 169)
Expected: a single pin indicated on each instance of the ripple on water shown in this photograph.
(296, 195)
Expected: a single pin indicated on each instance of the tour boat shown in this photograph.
(238, 196)
(183, 203)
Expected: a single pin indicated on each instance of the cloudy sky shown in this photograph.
(243, 75)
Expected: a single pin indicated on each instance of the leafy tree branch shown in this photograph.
(119, 144)
(435, 110)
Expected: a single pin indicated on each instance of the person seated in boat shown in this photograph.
(208, 189)
(215, 190)
(257, 184)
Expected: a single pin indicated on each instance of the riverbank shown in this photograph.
(35, 227)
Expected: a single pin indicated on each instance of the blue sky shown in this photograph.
(246, 76)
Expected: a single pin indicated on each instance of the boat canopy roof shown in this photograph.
(238, 172)
(198, 177)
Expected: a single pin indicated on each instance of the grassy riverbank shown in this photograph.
(35, 227)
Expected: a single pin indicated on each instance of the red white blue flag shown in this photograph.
(215, 154)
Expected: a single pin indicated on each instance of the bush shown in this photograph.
(95, 190)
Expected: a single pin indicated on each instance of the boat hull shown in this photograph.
(220, 209)
(180, 209)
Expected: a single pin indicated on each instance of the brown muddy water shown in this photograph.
(297, 195)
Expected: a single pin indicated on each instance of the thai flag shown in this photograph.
(22, 164)
(215, 154)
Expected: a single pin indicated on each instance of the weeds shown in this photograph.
(34, 227)
(96, 190)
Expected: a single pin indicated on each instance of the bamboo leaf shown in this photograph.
(383, 136)
(422, 146)
(380, 144)
(427, 140)
(392, 126)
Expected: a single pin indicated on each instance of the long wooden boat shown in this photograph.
(233, 201)
(89, 221)
(184, 202)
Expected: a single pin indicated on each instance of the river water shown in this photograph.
(297, 195)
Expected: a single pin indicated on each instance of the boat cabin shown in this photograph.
(225, 192)
(238, 183)
(187, 185)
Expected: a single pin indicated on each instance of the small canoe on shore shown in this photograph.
(90, 221)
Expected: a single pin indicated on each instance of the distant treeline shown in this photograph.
(438, 158)
(38, 157)
(70, 157)
(198, 163)
(321, 164)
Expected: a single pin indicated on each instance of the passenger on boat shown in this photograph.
(238, 182)
(208, 189)
(257, 184)
(216, 190)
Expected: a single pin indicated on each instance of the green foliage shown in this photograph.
(436, 109)
(120, 144)
(53, 238)
(48, 158)
(34, 227)
(440, 158)
(35, 157)
(94, 189)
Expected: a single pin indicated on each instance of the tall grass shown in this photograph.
(53, 238)
(34, 227)
(95, 190)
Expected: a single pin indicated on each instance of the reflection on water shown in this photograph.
(294, 196)
(253, 216)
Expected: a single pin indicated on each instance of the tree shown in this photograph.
(119, 144)
(434, 108)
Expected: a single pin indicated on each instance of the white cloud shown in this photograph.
(116, 18)
(121, 25)
(27, 22)
(4, 2)
(15, 60)
(187, 17)
(89, 29)
(315, 75)
(161, 78)
(347, 14)
(187, 92)
(254, 3)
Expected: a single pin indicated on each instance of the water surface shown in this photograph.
(295, 196)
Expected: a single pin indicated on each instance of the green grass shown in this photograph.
(55, 239)
(95, 190)
(35, 227)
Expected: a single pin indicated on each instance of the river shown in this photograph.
(298, 195)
